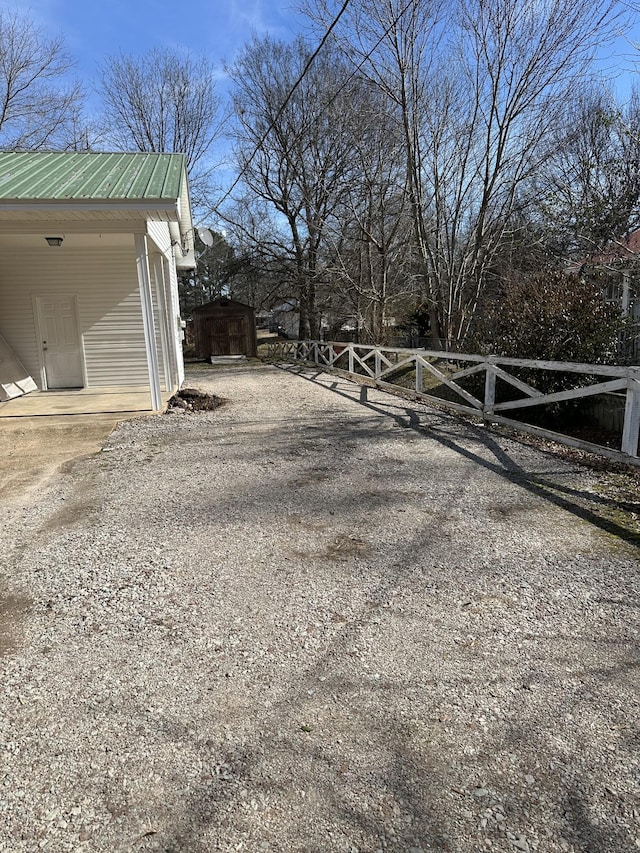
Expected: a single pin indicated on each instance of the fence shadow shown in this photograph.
(467, 439)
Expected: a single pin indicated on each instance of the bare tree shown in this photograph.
(478, 90)
(162, 101)
(370, 235)
(589, 191)
(39, 106)
(396, 44)
(295, 158)
(266, 275)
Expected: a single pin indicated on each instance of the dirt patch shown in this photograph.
(314, 475)
(12, 609)
(32, 449)
(347, 546)
(73, 511)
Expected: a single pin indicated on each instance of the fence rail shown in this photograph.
(433, 368)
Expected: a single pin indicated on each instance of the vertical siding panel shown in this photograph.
(175, 318)
(157, 320)
(159, 233)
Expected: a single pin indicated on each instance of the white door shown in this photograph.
(60, 341)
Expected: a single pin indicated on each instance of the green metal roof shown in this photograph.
(79, 176)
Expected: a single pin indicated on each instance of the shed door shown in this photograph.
(228, 336)
(238, 344)
(60, 341)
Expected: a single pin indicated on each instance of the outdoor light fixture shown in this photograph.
(54, 241)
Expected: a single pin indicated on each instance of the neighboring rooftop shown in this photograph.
(60, 176)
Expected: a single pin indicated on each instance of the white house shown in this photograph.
(90, 245)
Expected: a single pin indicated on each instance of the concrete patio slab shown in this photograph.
(83, 401)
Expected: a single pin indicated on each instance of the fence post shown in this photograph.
(378, 365)
(419, 370)
(351, 365)
(316, 356)
(631, 427)
(489, 389)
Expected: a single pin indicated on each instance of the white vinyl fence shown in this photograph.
(389, 367)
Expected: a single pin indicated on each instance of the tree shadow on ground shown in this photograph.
(289, 787)
(400, 789)
(403, 783)
(396, 786)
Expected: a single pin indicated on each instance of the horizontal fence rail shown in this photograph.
(391, 368)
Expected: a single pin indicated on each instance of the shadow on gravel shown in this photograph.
(606, 513)
(284, 785)
(337, 823)
(397, 780)
(358, 780)
(292, 783)
(586, 834)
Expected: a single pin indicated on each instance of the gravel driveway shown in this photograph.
(306, 622)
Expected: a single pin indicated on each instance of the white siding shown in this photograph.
(174, 314)
(157, 321)
(159, 233)
(106, 285)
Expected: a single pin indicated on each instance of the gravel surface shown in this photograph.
(310, 622)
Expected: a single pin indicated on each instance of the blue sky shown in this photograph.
(93, 30)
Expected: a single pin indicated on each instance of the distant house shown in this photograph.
(285, 319)
(90, 246)
(263, 318)
(618, 267)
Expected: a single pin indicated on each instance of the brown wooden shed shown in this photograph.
(224, 327)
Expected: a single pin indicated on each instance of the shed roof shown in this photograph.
(223, 303)
(90, 175)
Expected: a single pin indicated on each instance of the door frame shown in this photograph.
(39, 330)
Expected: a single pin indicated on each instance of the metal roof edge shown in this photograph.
(168, 205)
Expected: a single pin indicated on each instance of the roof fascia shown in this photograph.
(170, 206)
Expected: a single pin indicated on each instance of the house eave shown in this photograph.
(164, 210)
